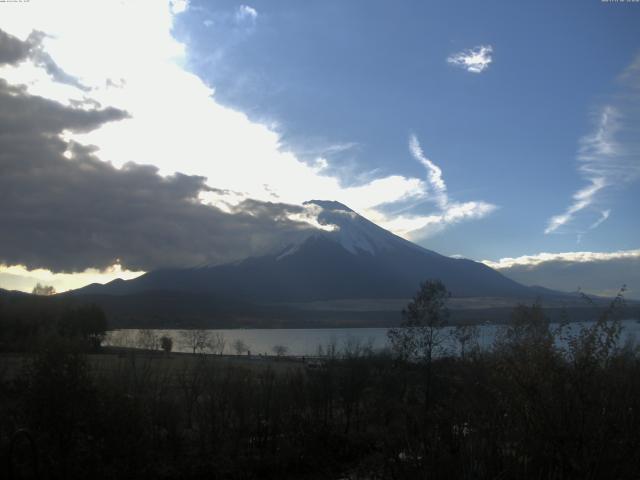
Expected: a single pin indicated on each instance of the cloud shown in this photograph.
(434, 173)
(599, 273)
(474, 60)
(178, 6)
(582, 199)
(449, 212)
(13, 50)
(187, 131)
(65, 210)
(608, 158)
(23, 115)
(596, 152)
(574, 257)
(246, 13)
(164, 175)
(604, 215)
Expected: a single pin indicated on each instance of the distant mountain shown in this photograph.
(352, 258)
(11, 293)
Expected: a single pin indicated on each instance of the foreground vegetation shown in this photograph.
(527, 408)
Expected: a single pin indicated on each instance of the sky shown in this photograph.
(138, 135)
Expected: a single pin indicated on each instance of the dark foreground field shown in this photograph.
(523, 410)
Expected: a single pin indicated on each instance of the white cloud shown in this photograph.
(474, 60)
(604, 215)
(178, 6)
(582, 199)
(608, 157)
(575, 257)
(597, 273)
(596, 154)
(245, 12)
(434, 173)
(449, 212)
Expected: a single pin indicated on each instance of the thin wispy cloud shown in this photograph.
(434, 173)
(581, 200)
(474, 60)
(608, 158)
(435, 190)
(604, 215)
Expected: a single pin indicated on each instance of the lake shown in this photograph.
(308, 342)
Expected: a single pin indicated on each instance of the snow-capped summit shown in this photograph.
(354, 232)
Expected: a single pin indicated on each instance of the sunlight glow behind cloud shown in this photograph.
(19, 277)
(176, 124)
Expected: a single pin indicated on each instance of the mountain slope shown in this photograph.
(352, 258)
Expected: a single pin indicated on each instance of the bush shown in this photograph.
(166, 344)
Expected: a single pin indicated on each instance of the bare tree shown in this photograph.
(197, 340)
(421, 333)
(355, 347)
(330, 350)
(467, 337)
(280, 350)
(147, 339)
(217, 343)
(239, 346)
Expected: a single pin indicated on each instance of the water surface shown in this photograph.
(311, 341)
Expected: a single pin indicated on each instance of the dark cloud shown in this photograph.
(598, 277)
(68, 213)
(22, 114)
(13, 51)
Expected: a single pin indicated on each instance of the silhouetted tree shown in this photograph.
(87, 322)
(239, 346)
(147, 339)
(420, 334)
(217, 343)
(466, 336)
(44, 290)
(197, 340)
(279, 350)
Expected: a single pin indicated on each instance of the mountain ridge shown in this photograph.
(350, 257)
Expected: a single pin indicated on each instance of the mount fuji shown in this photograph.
(352, 258)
